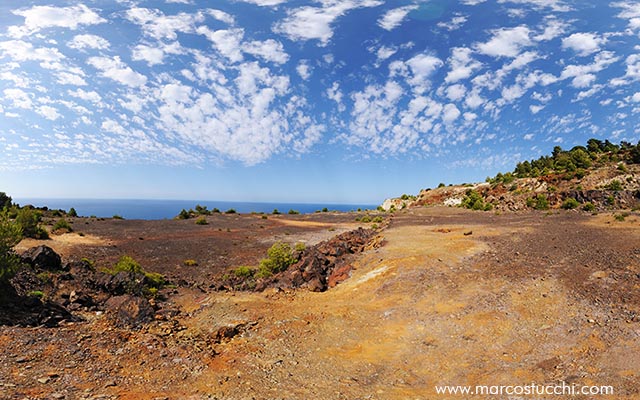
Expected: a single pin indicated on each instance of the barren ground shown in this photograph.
(453, 298)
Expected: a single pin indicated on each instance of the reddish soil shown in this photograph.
(453, 297)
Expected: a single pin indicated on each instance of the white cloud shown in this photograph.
(269, 50)
(19, 50)
(154, 55)
(114, 68)
(417, 70)
(48, 112)
(461, 64)
(450, 113)
(552, 30)
(455, 92)
(393, 18)
(226, 41)
(160, 26)
(304, 69)
(92, 96)
(87, 41)
(554, 5)
(454, 24)
(536, 108)
(309, 23)
(583, 43)
(41, 17)
(334, 93)
(66, 78)
(528, 136)
(265, 3)
(472, 2)
(18, 98)
(384, 52)
(584, 75)
(222, 16)
(506, 42)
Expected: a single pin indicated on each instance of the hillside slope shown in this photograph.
(601, 176)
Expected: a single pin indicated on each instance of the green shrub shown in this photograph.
(116, 216)
(441, 185)
(279, 258)
(365, 219)
(615, 185)
(10, 235)
(127, 264)
(589, 207)
(620, 217)
(5, 201)
(72, 212)
(184, 214)
(300, 246)
(201, 221)
(275, 211)
(325, 209)
(190, 263)
(36, 293)
(243, 272)
(29, 220)
(611, 200)
(230, 211)
(62, 224)
(156, 280)
(293, 212)
(540, 202)
(474, 201)
(570, 203)
(377, 219)
(202, 210)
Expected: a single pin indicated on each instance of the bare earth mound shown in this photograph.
(453, 297)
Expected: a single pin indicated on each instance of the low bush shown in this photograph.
(190, 263)
(589, 207)
(293, 212)
(201, 221)
(279, 258)
(243, 272)
(615, 185)
(474, 201)
(570, 203)
(62, 225)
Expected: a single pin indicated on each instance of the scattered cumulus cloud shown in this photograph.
(393, 18)
(583, 43)
(38, 18)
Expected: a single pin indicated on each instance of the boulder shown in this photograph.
(42, 257)
(129, 311)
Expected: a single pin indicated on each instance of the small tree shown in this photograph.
(72, 212)
(279, 258)
(28, 219)
(10, 235)
(5, 201)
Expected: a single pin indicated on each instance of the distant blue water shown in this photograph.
(167, 209)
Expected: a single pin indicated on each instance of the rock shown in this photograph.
(226, 332)
(44, 380)
(42, 257)
(339, 275)
(129, 311)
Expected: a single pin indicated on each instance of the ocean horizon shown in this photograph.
(168, 209)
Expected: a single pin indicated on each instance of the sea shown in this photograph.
(168, 209)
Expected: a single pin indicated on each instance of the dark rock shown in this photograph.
(121, 283)
(129, 311)
(42, 257)
(324, 265)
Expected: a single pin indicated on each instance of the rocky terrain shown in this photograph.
(438, 296)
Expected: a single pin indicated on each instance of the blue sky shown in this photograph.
(346, 101)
